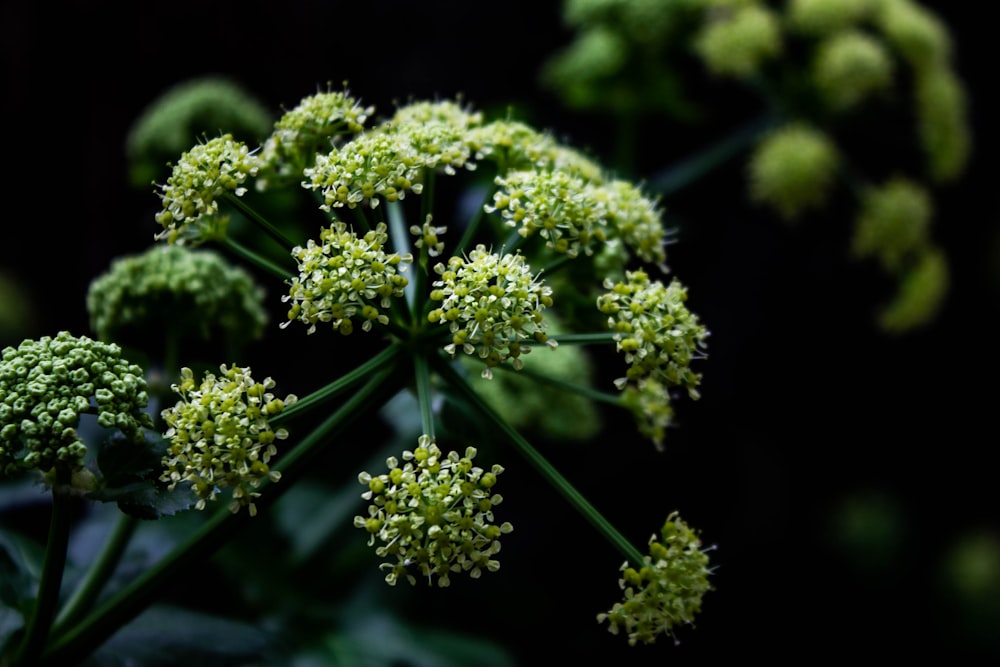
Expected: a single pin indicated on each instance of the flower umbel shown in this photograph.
(201, 176)
(344, 275)
(493, 306)
(45, 387)
(317, 122)
(655, 330)
(666, 591)
(149, 292)
(220, 436)
(433, 515)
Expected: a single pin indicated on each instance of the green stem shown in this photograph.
(241, 250)
(584, 339)
(271, 230)
(582, 390)
(44, 608)
(399, 233)
(555, 265)
(546, 469)
(344, 382)
(514, 240)
(83, 638)
(99, 573)
(422, 374)
(473, 226)
(676, 177)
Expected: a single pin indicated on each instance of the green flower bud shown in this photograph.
(46, 385)
(738, 42)
(170, 287)
(893, 223)
(923, 286)
(943, 123)
(849, 67)
(792, 169)
(823, 17)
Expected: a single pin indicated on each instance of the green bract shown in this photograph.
(47, 385)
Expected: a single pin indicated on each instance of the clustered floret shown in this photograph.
(648, 399)
(373, 165)
(516, 146)
(553, 204)
(492, 304)
(574, 214)
(220, 437)
(46, 385)
(170, 283)
(654, 329)
(312, 127)
(438, 131)
(429, 236)
(344, 275)
(190, 212)
(666, 590)
(434, 515)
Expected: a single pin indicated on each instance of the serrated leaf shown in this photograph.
(147, 500)
(129, 474)
(122, 462)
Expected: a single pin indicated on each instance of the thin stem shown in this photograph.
(344, 382)
(584, 339)
(582, 390)
(556, 264)
(676, 177)
(271, 230)
(82, 639)
(514, 240)
(99, 573)
(422, 374)
(546, 469)
(258, 260)
(40, 620)
(473, 226)
(399, 233)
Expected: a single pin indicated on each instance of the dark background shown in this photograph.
(836, 467)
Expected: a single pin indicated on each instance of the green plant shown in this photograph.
(418, 299)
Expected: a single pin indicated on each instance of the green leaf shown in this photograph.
(20, 570)
(129, 474)
(123, 462)
(378, 639)
(164, 636)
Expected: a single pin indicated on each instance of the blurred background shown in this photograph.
(842, 471)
